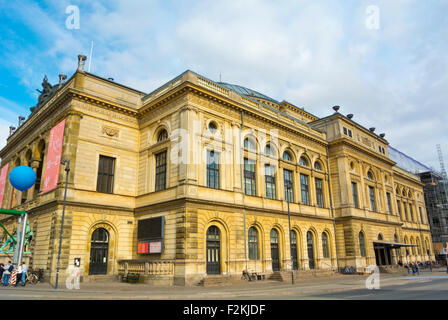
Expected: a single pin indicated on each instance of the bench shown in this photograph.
(131, 277)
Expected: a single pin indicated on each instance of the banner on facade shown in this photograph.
(54, 153)
(3, 177)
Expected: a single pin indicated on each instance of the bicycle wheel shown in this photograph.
(33, 279)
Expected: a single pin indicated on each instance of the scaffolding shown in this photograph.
(436, 200)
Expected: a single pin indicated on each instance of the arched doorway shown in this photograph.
(295, 264)
(310, 246)
(99, 250)
(213, 251)
(275, 256)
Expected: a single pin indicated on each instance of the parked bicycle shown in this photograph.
(35, 276)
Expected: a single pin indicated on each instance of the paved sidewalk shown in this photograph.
(259, 289)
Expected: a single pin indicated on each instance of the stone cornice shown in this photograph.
(188, 87)
(349, 143)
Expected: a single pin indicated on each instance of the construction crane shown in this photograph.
(443, 191)
(442, 165)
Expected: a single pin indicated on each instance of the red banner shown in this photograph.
(54, 153)
(3, 175)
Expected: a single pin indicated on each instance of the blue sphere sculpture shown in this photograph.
(22, 178)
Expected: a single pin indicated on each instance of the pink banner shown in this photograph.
(54, 154)
(3, 175)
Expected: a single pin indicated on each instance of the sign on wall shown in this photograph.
(54, 153)
(150, 234)
(3, 175)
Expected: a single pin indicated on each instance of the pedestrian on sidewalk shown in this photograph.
(8, 268)
(2, 269)
(24, 271)
(19, 275)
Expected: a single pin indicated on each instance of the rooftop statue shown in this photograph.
(45, 94)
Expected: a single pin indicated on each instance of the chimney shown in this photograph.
(21, 120)
(110, 79)
(336, 108)
(81, 61)
(350, 116)
(382, 135)
(62, 77)
(372, 129)
(11, 130)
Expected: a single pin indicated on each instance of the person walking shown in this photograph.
(19, 275)
(2, 269)
(8, 268)
(24, 271)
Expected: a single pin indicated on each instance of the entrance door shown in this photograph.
(99, 249)
(213, 251)
(310, 245)
(295, 264)
(275, 256)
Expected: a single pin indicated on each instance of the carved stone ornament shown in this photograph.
(111, 132)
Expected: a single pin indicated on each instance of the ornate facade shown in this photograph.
(223, 165)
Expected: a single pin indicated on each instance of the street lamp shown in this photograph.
(67, 170)
(288, 188)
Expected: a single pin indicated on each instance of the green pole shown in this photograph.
(12, 212)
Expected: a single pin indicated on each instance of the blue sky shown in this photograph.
(314, 54)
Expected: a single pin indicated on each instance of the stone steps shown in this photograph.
(285, 276)
(99, 278)
(219, 280)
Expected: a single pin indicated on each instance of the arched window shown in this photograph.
(249, 144)
(268, 150)
(253, 243)
(370, 175)
(163, 135)
(287, 156)
(325, 250)
(303, 162)
(41, 150)
(310, 247)
(212, 127)
(317, 166)
(275, 252)
(380, 237)
(362, 246)
(295, 262)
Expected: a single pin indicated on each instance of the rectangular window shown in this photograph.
(421, 215)
(270, 181)
(372, 198)
(305, 189)
(355, 194)
(319, 192)
(389, 203)
(289, 189)
(350, 133)
(411, 212)
(399, 209)
(160, 171)
(345, 131)
(212, 169)
(249, 177)
(406, 216)
(106, 169)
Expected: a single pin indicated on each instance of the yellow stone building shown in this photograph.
(218, 162)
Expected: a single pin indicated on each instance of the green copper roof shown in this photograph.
(245, 91)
